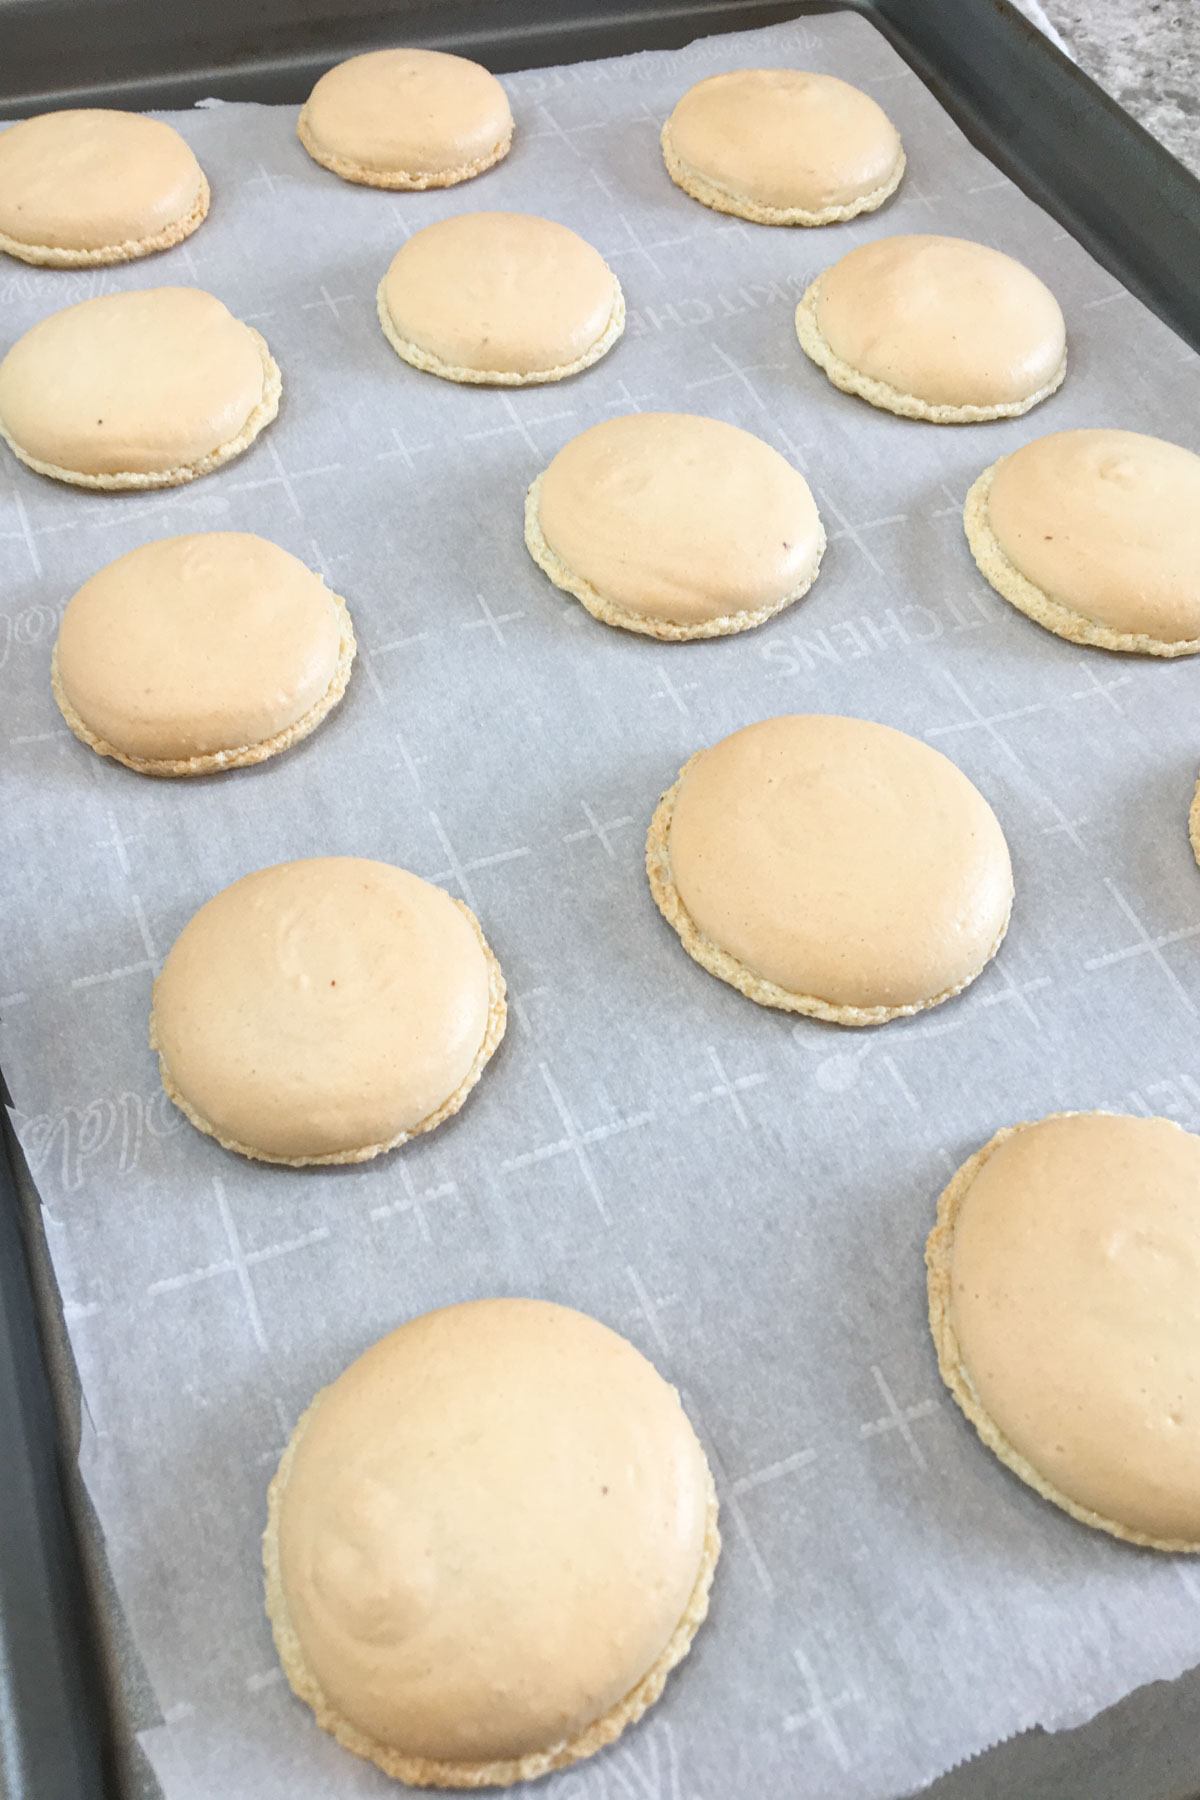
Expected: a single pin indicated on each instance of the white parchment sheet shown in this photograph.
(744, 1195)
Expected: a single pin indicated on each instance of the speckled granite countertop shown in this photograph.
(1146, 54)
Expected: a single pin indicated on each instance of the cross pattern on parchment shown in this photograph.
(736, 371)
(1017, 992)
(576, 1142)
(651, 1309)
(826, 504)
(637, 246)
(624, 399)
(734, 1489)
(821, 1711)
(520, 1005)
(415, 1200)
(493, 622)
(412, 765)
(1146, 946)
(1070, 828)
(898, 1418)
(730, 1088)
(406, 452)
(457, 870)
(331, 302)
(284, 478)
(598, 829)
(674, 691)
(239, 1262)
(145, 965)
(25, 535)
(519, 425)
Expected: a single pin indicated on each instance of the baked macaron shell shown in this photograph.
(488, 1533)
(320, 1008)
(1107, 524)
(784, 139)
(945, 320)
(136, 383)
(498, 292)
(841, 860)
(94, 179)
(189, 646)
(415, 113)
(680, 518)
(1071, 1257)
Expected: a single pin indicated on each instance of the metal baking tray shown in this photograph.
(1048, 127)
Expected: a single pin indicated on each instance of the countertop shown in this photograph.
(1145, 53)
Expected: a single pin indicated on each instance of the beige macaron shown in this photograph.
(194, 654)
(935, 328)
(1062, 1300)
(93, 185)
(782, 147)
(145, 389)
(488, 1543)
(674, 526)
(406, 119)
(326, 1011)
(833, 867)
(503, 299)
(1096, 536)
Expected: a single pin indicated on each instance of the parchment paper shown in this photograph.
(744, 1196)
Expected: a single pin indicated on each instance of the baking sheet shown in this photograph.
(744, 1195)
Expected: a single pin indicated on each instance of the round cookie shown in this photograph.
(488, 1544)
(91, 185)
(1096, 536)
(406, 119)
(326, 1011)
(782, 147)
(674, 526)
(145, 389)
(935, 328)
(194, 654)
(1062, 1301)
(504, 299)
(833, 867)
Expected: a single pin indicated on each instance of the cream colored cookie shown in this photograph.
(832, 867)
(407, 119)
(91, 185)
(935, 328)
(326, 1011)
(145, 389)
(194, 654)
(674, 526)
(1096, 536)
(782, 147)
(488, 1544)
(503, 299)
(1062, 1302)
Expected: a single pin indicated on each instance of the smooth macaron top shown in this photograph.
(322, 1007)
(947, 321)
(680, 518)
(139, 382)
(1074, 1267)
(490, 1528)
(192, 645)
(93, 179)
(408, 112)
(841, 860)
(784, 138)
(1106, 523)
(502, 292)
